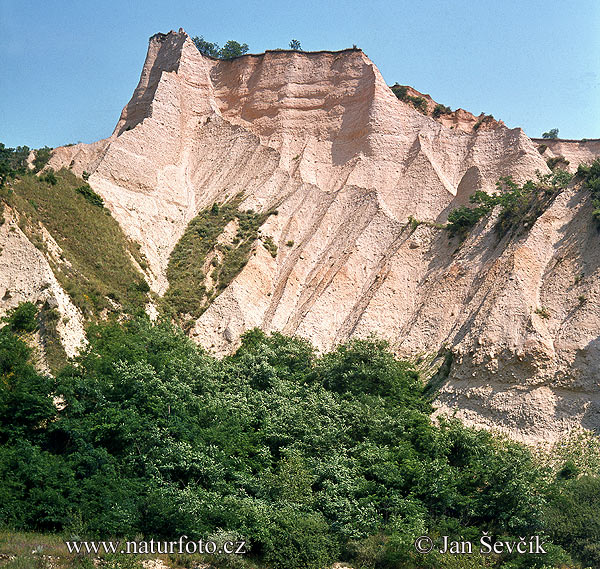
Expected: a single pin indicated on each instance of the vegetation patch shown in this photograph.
(590, 174)
(557, 162)
(96, 261)
(418, 103)
(520, 206)
(90, 195)
(308, 458)
(440, 110)
(188, 294)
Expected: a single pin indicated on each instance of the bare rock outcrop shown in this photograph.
(322, 138)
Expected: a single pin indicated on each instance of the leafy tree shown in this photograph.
(23, 318)
(205, 47)
(233, 49)
(573, 516)
(305, 456)
(551, 134)
(295, 45)
(230, 50)
(42, 156)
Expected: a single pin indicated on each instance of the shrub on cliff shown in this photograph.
(590, 173)
(551, 134)
(519, 205)
(230, 50)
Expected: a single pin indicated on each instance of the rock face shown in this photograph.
(26, 276)
(322, 138)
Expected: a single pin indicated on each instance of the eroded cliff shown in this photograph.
(351, 171)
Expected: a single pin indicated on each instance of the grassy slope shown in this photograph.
(188, 293)
(96, 262)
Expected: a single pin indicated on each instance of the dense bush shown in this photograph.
(230, 50)
(440, 110)
(418, 103)
(42, 157)
(90, 195)
(551, 134)
(591, 178)
(520, 206)
(309, 458)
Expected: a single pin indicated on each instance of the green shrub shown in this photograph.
(573, 518)
(298, 539)
(557, 162)
(305, 455)
(42, 157)
(590, 174)
(23, 318)
(440, 110)
(49, 177)
(418, 103)
(270, 245)
(90, 195)
(463, 219)
(551, 134)
(230, 50)
(520, 206)
(542, 312)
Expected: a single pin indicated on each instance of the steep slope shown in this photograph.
(322, 139)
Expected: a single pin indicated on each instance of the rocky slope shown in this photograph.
(322, 139)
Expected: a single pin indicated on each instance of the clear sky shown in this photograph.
(69, 67)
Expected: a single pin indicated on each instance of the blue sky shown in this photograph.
(68, 67)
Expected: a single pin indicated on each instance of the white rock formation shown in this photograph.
(321, 137)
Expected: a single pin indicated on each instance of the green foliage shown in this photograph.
(233, 49)
(270, 245)
(90, 195)
(188, 293)
(230, 50)
(49, 177)
(573, 517)
(551, 134)
(306, 457)
(440, 110)
(557, 162)
(295, 45)
(13, 161)
(42, 157)
(96, 255)
(418, 103)
(23, 318)
(591, 179)
(520, 206)
(463, 219)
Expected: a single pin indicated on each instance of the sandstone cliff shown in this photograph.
(322, 138)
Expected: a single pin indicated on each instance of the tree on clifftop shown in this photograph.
(295, 45)
(553, 133)
(230, 50)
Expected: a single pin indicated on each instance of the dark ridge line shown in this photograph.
(546, 140)
(321, 51)
(161, 36)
